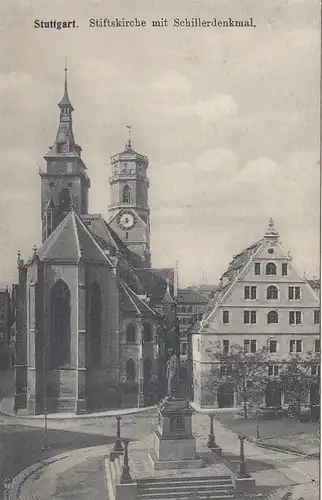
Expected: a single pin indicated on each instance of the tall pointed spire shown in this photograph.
(65, 102)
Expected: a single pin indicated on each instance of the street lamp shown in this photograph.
(126, 476)
(118, 442)
(211, 438)
(7, 486)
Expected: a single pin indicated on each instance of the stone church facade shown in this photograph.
(94, 319)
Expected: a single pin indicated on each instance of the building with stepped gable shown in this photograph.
(93, 318)
(261, 301)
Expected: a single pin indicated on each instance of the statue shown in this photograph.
(172, 374)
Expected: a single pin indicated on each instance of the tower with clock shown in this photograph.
(129, 209)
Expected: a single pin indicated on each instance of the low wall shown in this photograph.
(116, 490)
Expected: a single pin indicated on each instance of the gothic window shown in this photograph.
(130, 370)
(130, 333)
(60, 325)
(147, 370)
(272, 292)
(147, 334)
(95, 324)
(272, 317)
(64, 200)
(271, 268)
(126, 194)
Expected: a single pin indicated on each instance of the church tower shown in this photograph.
(129, 209)
(64, 184)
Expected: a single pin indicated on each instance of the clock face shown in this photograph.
(127, 220)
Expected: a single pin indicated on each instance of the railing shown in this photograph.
(129, 205)
(129, 175)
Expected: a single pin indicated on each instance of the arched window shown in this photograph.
(271, 268)
(126, 194)
(130, 333)
(60, 325)
(272, 317)
(95, 324)
(147, 333)
(65, 200)
(272, 292)
(147, 370)
(130, 370)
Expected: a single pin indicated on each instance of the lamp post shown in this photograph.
(7, 486)
(118, 442)
(126, 476)
(211, 438)
(242, 464)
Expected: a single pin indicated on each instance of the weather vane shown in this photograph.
(129, 144)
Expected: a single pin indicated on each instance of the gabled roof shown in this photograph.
(108, 239)
(70, 241)
(235, 266)
(190, 296)
(131, 302)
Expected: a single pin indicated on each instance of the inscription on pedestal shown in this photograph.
(176, 423)
(174, 443)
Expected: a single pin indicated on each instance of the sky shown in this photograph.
(229, 119)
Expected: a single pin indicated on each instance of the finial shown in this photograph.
(65, 102)
(129, 142)
(167, 297)
(19, 261)
(271, 225)
(271, 231)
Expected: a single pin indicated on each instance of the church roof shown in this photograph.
(70, 241)
(107, 238)
(155, 282)
(131, 302)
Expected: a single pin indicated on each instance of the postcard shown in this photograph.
(160, 249)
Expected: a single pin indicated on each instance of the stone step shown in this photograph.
(211, 495)
(187, 490)
(185, 479)
(187, 487)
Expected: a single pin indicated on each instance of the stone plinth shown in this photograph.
(174, 443)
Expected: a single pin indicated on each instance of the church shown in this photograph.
(94, 320)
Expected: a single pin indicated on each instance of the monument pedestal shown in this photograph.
(174, 443)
